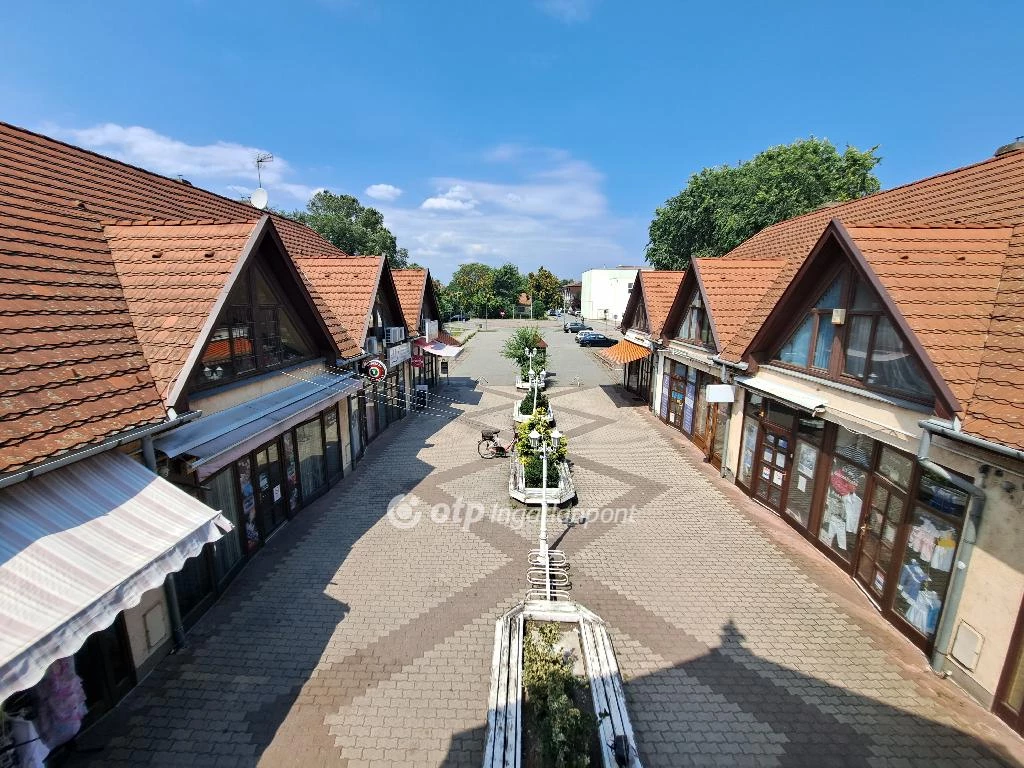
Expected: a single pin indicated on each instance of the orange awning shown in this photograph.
(626, 352)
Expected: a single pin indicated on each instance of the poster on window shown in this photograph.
(806, 458)
(665, 382)
(691, 393)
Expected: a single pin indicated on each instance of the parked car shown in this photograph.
(582, 335)
(596, 340)
(458, 318)
(552, 313)
(576, 327)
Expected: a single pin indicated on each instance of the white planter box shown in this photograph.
(503, 746)
(518, 490)
(519, 417)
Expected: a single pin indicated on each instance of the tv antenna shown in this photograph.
(259, 198)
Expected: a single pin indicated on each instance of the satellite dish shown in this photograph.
(259, 198)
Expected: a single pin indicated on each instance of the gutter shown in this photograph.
(728, 363)
(962, 557)
(937, 428)
(115, 442)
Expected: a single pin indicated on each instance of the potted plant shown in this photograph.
(528, 350)
(526, 467)
(532, 401)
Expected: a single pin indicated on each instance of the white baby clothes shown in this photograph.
(852, 502)
(945, 551)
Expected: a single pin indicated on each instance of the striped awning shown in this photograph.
(626, 352)
(80, 544)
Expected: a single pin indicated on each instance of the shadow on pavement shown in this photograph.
(729, 706)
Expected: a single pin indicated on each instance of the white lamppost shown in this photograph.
(542, 544)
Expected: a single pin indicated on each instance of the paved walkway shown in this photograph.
(350, 641)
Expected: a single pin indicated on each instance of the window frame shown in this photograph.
(696, 317)
(836, 371)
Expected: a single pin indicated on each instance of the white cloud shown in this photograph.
(550, 210)
(567, 11)
(224, 166)
(383, 192)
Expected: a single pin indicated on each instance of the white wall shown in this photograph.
(605, 293)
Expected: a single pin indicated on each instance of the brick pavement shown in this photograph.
(352, 642)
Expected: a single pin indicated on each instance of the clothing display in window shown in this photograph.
(925, 573)
(924, 611)
(912, 576)
(60, 703)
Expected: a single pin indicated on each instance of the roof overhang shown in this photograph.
(212, 442)
(796, 398)
(79, 545)
(626, 352)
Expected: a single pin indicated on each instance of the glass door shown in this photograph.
(771, 469)
(270, 491)
(878, 537)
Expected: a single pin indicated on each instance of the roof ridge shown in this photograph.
(159, 222)
(955, 224)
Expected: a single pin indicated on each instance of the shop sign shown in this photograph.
(430, 328)
(638, 339)
(399, 353)
(375, 370)
(721, 393)
(444, 367)
(417, 361)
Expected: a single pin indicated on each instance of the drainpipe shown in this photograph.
(962, 558)
(170, 590)
(728, 415)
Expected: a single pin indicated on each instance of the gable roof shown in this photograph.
(732, 289)
(990, 193)
(172, 295)
(657, 290)
(956, 289)
(411, 285)
(72, 370)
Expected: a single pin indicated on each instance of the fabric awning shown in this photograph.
(797, 398)
(80, 544)
(438, 348)
(626, 352)
(216, 440)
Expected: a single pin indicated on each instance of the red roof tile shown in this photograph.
(411, 285)
(659, 292)
(348, 285)
(733, 288)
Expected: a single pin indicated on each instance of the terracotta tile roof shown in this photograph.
(956, 289)
(411, 285)
(659, 292)
(72, 369)
(990, 192)
(348, 285)
(733, 288)
(72, 372)
(446, 338)
(172, 295)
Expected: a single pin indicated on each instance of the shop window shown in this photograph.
(332, 441)
(805, 465)
(930, 552)
(310, 442)
(222, 494)
(248, 491)
(844, 498)
(747, 448)
(696, 325)
(255, 332)
(291, 472)
(871, 349)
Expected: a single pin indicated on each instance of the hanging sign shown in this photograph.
(375, 370)
(417, 362)
(720, 393)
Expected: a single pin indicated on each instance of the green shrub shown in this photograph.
(533, 467)
(526, 407)
(563, 728)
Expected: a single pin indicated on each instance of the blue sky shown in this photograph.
(533, 131)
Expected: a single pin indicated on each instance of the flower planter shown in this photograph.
(518, 490)
(504, 747)
(519, 417)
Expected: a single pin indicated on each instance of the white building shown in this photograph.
(605, 293)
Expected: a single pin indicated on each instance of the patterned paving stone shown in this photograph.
(352, 642)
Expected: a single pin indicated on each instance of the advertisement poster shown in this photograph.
(691, 393)
(665, 382)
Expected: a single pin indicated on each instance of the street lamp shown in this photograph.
(545, 447)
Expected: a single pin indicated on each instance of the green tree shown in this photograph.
(508, 282)
(545, 289)
(469, 287)
(352, 227)
(516, 346)
(723, 206)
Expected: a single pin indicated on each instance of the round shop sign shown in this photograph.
(417, 362)
(376, 370)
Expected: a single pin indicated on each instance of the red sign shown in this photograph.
(376, 370)
(417, 362)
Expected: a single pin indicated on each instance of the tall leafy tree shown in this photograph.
(544, 288)
(357, 229)
(723, 206)
(508, 283)
(469, 288)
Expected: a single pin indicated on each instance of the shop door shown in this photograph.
(270, 491)
(104, 664)
(878, 537)
(772, 467)
(1009, 703)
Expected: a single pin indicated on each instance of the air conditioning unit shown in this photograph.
(371, 346)
(395, 334)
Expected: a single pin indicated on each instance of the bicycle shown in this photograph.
(489, 447)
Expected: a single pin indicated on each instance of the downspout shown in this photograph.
(962, 557)
(170, 589)
(728, 415)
